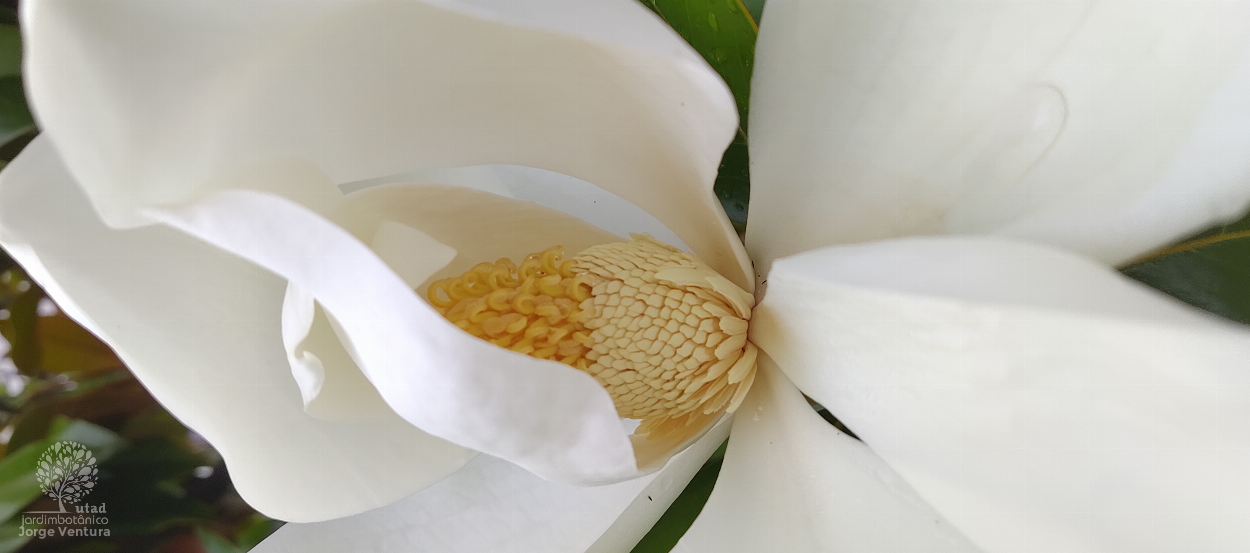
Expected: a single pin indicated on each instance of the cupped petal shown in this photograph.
(584, 201)
(491, 506)
(200, 329)
(1038, 400)
(330, 382)
(477, 177)
(570, 195)
(485, 226)
(792, 482)
(1108, 128)
(479, 226)
(546, 417)
(147, 101)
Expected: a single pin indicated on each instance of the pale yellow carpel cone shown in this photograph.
(664, 334)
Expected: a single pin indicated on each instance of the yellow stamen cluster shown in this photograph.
(663, 333)
(531, 308)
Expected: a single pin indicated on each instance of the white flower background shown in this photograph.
(241, 197)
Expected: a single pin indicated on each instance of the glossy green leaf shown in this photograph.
(756, 7)
(681, 514)
(1210, 270)
(733, 183)
(723, 32)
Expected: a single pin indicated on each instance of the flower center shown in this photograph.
(665, 335)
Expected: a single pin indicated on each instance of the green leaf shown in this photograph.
(18, 486)
(733, 183)
(681, 514)
(15, 118)
(756, 7)
(723, 32)
(102, 442)
(32, 422)
(214, 543)
(1210, 270)
(10, 51)
(255, 530)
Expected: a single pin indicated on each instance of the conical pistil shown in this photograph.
(664, 334)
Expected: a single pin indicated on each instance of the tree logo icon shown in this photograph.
(67, 472)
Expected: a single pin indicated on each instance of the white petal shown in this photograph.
(200, 329)
(547, 417)
(479, 177)
(491, 506)
(1037, 400)
(414, 255)
(1109, 128)
(585, 201)
(792, 482)
(570, 195)
(148, 100)
(479, 226)
(486, 226)
(330, 382)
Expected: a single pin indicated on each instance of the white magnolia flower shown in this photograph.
(1012, 391)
